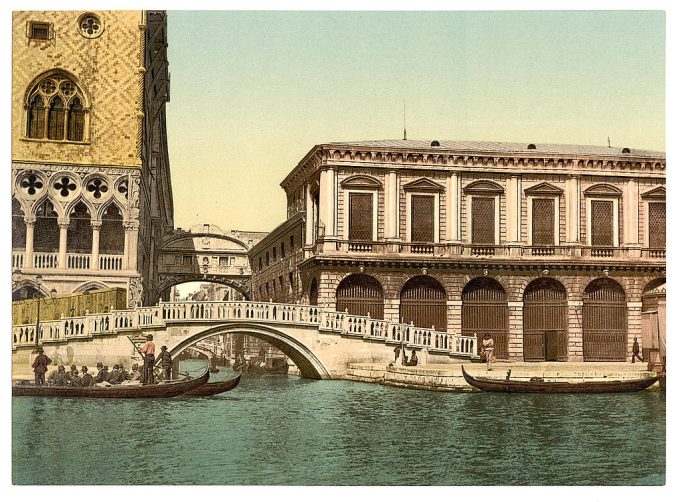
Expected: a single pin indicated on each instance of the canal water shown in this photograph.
(284, 430)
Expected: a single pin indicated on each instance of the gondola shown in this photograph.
(538, 385)
(169, 389)
(213, 388)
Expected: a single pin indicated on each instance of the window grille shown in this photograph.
(485, 310)
(602, 223)
(360, 294)
(657, 224)
(483, 220)
(361, 217)
(422, 218)
(604, 321)
(423, 303)
(543, 222)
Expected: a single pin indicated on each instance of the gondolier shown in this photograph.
(149, 350)
(40, 366)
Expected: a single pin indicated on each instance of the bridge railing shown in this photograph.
(324, 320)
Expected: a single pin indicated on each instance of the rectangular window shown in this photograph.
(543, 222)
(39, 31)
(186, 260)
(422, 218)
(274, 253)
(283, 250)
(292, 243)
(483, 220)
(224, 261)
(602, 223)
(657, 225)
(360, 217)
(259, 263)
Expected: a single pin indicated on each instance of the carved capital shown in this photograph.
(96, 224)
(63, 222)
(29, 220)
(131, 225)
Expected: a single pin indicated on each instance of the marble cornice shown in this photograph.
(349, 156)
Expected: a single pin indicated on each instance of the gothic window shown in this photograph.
(46, 229)
(657, 224)
(18, 226)
(543, 222)
(602, 223)
(79, 237)
(56, 110)
(483, 220)
(112, 232)
(422, 218)
(360, 216)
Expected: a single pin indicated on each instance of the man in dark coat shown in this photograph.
(102, 374)
(40, 366)
(87, 379)
(636, 351)
(166, 363)
(116, 376)
(76, 381)
(60, 377)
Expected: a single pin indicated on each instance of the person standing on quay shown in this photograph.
(40, 366)
(636, 351)
(166, 363)
(148, 349)
(487, 344)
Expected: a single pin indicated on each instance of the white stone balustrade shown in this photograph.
(169, 313)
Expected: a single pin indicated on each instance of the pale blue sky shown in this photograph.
(253, 92)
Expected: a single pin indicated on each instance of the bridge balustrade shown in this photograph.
(166, 313)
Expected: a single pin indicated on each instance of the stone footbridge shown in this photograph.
(320, 342)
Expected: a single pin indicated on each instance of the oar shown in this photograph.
(135, 346)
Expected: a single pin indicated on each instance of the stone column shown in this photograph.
(309, 215)
(631, 218)
(391, 205)
(573, 211)
(130, 248)
(516, 331)
(513, 214)
(575, 335)
(453, 207)
(28, 253)
(94, 258)
(63, 234)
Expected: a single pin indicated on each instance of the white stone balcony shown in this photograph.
(74, 261)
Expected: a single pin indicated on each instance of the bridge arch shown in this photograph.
(308, 363)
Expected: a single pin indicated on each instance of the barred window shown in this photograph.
(657, 224)
(422, 218)
(602, 223)
(360, 216)
(543, 222)
(483, 220)
(55, 110)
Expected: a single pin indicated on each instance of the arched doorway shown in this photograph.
(18, 226)
(651, 294)
(485, 310)
(46, 230)
(26, 292)
(360, 294)
(423, 303)
(314, 292)
(604, 321)
(545, 321)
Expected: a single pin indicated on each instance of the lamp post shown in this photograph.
(38, 296)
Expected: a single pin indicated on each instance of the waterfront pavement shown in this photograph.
(448, 377)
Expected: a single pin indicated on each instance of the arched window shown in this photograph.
(36, 118)
(79, 237)
(604, 321)
(55, 119)
(545, 321)
(314, 292)
(18, 226)
(46, 230)
(26, 293)
(360, 294)
(76, 120)
(63, 101)
(653, 291)
(485, 310)
(112, 232)
(423, 303)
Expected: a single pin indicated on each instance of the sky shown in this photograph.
(253, 92)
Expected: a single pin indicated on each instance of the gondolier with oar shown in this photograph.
(148, 350)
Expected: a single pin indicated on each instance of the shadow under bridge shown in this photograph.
(307, 362)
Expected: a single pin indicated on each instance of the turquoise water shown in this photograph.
(290, 431)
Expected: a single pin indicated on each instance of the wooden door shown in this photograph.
(545, 309)
(604, 322)
(485, 310)
(423, 303)
(551, 344)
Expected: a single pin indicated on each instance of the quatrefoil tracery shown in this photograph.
(97, 187)
(65, 186)
(31, 184)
